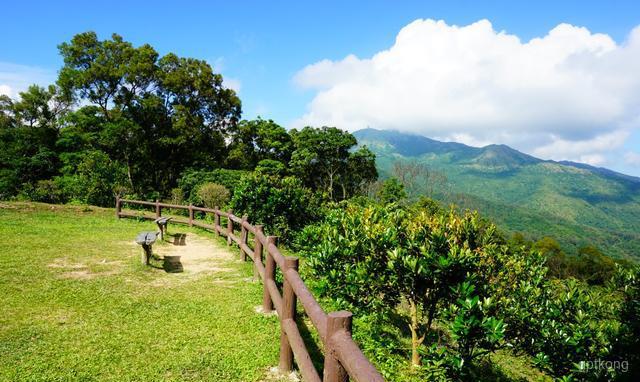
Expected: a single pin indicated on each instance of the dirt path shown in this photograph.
(196, 253)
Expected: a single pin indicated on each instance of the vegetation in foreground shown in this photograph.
(447, 290)
(77, 305)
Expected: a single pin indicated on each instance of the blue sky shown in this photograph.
(264, 47)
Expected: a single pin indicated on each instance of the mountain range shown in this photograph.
(575, 203)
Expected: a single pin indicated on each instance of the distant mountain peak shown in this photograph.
(577, 203)
(503, 155)
(493, 157)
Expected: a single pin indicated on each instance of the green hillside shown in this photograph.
(575, 203)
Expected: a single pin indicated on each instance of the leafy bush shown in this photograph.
(91, 177)
(192, 179)
(47, 191)
(392, 191)
(578, 327)
(177, 196)
(626, 282)
(473, 328)
(271, 167)
(282, 205)
(429, 205)
(213, 195)
(464, 291)
(417, 258)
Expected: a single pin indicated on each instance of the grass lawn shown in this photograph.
(76, 304)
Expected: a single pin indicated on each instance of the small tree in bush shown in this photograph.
(435, 255)
(282, 205)
(473, 328)
(626, 282)
(391, 191)
(373, 257)
(213, 195)
(271, 167)
(91, 177)
(47, 191)
(191, 180)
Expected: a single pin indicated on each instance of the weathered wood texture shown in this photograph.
(344, 360)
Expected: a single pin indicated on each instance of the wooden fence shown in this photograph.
(342, 356)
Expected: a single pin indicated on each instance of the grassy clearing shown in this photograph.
(77, 305)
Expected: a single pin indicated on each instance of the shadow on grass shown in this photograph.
(170, 264)
(179, 239)
(311, 341)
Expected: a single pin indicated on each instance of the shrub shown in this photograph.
(47, 191)
(392, 191)
(213, 195)
(282, 205)
(192, 179)
(417, 258)
(91, 177)
(481, 291)
(271, 167)
(626, 282)
(177, 196)
(428, 205)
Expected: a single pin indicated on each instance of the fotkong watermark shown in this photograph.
(599, 364)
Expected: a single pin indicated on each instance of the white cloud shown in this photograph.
(17, 78)
(591, 151)
(571, 94)
(632, 158)
(593, 159)
(5, 90)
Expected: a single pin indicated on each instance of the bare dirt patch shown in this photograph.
(274, 375)
(81, 271)
(85, 274)
(197, 253)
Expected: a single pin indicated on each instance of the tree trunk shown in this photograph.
(415, 340)
(331, 185)
(129, 173)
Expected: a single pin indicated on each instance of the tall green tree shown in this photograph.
(158, 115)
(257, 140)
(28, 131)
(323, 158)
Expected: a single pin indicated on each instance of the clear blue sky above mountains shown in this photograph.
(569, 93)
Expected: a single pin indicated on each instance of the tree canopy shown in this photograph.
(152, 120)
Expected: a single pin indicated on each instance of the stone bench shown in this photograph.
(146, 240)
(162, 226)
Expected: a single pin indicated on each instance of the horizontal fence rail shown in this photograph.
(343, 359)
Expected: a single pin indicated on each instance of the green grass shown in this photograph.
(77, 305)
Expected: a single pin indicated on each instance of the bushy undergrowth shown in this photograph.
(282, 205)
(463, 291)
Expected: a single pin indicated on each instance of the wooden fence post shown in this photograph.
(333, 370)
(158, 209)
(288, 313)
(229, 227)
(216, 220)
(269, 275)
(257, 252)
(244, 236)
(190, 215)
(118, 207)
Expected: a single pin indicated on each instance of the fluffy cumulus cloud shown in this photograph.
(571, 94)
